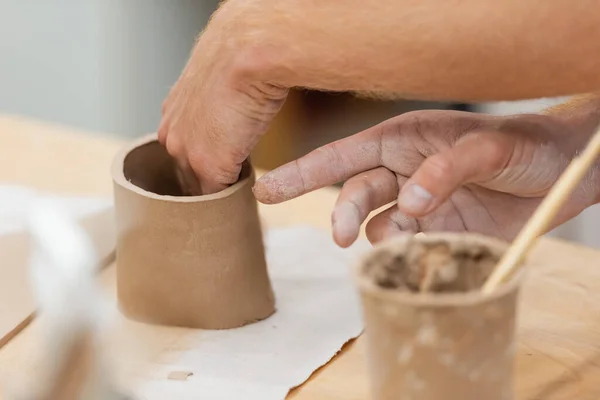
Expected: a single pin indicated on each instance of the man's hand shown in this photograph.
(252, 51)
(218, 109)
(447, 170)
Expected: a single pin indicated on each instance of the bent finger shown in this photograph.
(473, 159)
(388, 223)
(185, 175)
(359, 196)
(322, 167)
(211, 169)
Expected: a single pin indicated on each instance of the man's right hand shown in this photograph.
(219, 108)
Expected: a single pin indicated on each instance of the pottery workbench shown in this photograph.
(559, 324)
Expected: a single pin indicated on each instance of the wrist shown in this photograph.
(243, 31)
(229, 54)
(581, 113)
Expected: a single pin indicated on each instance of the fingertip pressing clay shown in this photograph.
(450, 342)
(191, 261)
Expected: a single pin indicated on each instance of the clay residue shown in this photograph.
(441, 266)
(179, 375)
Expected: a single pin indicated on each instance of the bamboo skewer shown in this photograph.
(544, 215)
(430, 273)
(427, 282)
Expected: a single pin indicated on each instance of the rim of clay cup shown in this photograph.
(367, 286)
(118, 176)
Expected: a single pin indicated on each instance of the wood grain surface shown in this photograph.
(559, 324)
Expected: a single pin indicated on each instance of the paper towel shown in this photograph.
(317, 312)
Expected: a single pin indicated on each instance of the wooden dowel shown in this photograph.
(544, 215)
(427, 282)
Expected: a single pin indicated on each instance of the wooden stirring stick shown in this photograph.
(430, 274)
(544, 215)
(427, 282)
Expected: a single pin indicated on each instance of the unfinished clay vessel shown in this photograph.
(452, 342)
(192, 261)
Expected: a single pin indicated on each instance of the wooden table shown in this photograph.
(559, 327)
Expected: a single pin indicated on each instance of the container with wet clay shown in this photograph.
(449, 342)
(191, 261)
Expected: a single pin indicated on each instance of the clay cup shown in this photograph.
(190, 261)
(451, 342)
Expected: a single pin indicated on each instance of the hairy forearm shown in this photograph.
(469, 50)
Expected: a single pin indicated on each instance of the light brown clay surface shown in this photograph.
(191, 261)
(179, 375)
(456, 265)
(451, 342)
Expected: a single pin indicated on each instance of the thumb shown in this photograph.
(472, 158)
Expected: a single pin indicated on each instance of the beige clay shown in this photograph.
(451, 342)
(192, 261)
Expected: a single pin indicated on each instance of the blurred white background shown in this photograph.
(102, 65)
(106, 66)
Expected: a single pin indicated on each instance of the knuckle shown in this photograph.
(163, 133)
(330, 154)
(262, 99)
(174, 145)
(411, 116)
(380, 228)
(354, 184)
(416, 120)
(226, 176)
(256, 105)
(405, 128)
(380, 178)
(302, 179)
(372, 233)
(446, 123)
(162, 137)
(361, 193)
(251, 61)
(334, 153)
(496, 153)
(213, 168)
(359, 201)
(438, 167)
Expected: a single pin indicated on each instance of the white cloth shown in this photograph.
(317, 312)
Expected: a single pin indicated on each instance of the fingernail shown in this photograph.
(414, 199)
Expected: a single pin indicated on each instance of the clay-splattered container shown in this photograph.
(191, 261)
(451, 343)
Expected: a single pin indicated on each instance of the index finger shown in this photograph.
(322, 167)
